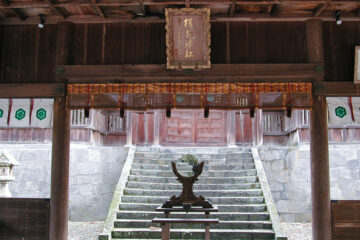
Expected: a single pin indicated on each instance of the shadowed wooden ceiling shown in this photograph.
(27, 11)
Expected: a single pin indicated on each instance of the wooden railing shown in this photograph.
(96, 120)
(276, 123)
(116, 124)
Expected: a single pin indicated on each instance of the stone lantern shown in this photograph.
(7, 163)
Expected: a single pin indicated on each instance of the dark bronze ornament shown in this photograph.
(187, 197)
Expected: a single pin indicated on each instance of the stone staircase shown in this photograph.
(229, 180)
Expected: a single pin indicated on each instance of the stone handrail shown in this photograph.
(274, 217)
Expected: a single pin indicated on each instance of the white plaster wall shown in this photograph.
(288, 173)
(94, 173)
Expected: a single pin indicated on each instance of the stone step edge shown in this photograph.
(205, 184)
(195, 191)
(194, 230)
(131, 175)
(220, 221)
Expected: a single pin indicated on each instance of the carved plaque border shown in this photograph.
(191, 64)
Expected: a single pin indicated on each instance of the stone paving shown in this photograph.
(90, 230)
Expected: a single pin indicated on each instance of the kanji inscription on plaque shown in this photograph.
(188, 38)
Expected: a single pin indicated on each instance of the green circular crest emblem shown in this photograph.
(20, 114)
(41, 114)
(1, 113)
(340, 112)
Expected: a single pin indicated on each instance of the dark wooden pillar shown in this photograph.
(319, 146)
(59, 202)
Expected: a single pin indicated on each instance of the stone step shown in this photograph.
(219, 234)
(239, 207)
(205, 156)
(222, 174)
(139, 223)
(177, 186)
(192, 150)
(204, 193)
(155, 161)
(185, 166)
(213, 200)
(202, 180)
(223, 216)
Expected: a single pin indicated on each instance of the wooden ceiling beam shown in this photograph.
(326, 16)
(82, 3)
(58, 10)
(218, 73)
(16, 12)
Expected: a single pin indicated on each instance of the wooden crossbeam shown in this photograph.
(326, 16)
(218, 73)
(32, 90)
(82, 3)
(336, 89)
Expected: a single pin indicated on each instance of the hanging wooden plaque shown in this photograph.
(188, 38)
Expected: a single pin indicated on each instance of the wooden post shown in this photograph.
(231, 130)
(157, 119)
(320, 179)
(59, 198)
(314, 39)
(129, 131)
(59, 202)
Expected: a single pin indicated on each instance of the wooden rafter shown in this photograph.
(98, 9)
(16, 12)
(320, 9)
(58, 10)
(274, 11)
(142, 7)
(232, 8)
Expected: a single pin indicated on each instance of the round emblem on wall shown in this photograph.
(1, 113)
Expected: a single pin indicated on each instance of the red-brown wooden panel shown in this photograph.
(243, 126)
(180, 127)
(190, 127)
(24, 219)
(345, 220)
(211, 129)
